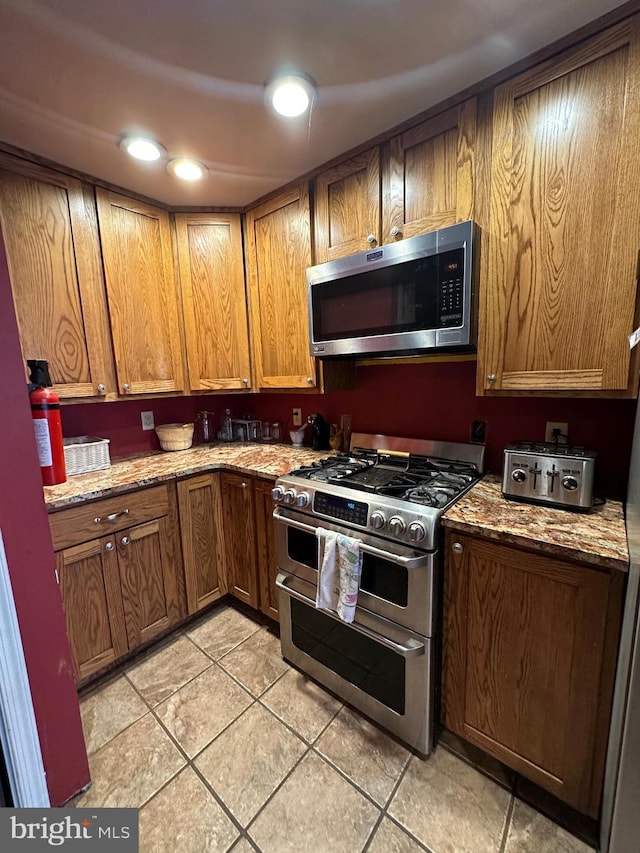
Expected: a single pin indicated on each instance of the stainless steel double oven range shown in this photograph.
(390, 493)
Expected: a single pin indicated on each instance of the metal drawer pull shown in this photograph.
(457, 548)
(111, 517)
(125, 540)
(109, 546)
(408, 562)
(412, 648)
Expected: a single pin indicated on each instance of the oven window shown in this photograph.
(382, 578)
(371, 667)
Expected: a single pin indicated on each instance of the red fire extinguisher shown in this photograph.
(45, 411)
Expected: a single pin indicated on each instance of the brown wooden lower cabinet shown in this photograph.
(200, 503)
(121, 589)
(266, 542)
(529, 654)
(239, 537)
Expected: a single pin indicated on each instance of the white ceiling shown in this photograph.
(76, 75)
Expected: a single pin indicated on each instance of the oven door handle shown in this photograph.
(420, 562)
(412, 648)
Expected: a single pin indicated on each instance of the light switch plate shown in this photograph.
(147, 420)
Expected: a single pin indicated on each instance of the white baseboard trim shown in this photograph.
(18, 729)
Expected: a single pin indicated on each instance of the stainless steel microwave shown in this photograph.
(405, 297)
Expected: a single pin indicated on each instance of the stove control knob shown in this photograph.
(277, 493)
(519, 475)
(397, 525)
(570, 483)
(303, 499)
(416, 531)
(377, 520)
(289, 496)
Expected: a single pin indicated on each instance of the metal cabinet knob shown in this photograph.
(126, 387)
(108, 546)
(244, 485)
(101, 388)
(309, 380)
(245, 381)
(371, 238)
(457, 548)
(125, 540)
(395, 231)
(491, 377)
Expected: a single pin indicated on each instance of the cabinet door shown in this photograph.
(199, 501)
(90, 589)
(148, 581)
(142, 294)
(559, 298)
(279, 252)
(50, 231)
(266, 545)
(214, 301)
(240, 538)
(525, 662)
(430, 179)
(347, 207)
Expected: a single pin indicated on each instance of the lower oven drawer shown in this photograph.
(378, 667)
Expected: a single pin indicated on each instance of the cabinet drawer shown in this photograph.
(91, 521)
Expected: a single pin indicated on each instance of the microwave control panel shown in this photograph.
(451, 289)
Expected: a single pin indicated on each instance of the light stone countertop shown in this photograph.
(597, 537)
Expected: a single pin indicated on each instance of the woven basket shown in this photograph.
(175, 436)
(86, 453)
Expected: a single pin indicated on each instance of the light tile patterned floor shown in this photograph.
(223, 746)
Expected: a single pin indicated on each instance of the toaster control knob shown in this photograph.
(277, 493)
(289, 496)
(397, 525)
(377, 520)
(302, 499)
(416, 531)
(519, 475)
(570, 483)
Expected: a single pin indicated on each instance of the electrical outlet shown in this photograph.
(561, 437)
(297, 417)
(147, 420)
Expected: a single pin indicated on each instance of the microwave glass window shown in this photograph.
(406, 297)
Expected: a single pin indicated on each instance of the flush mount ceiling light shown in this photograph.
(142, 148)
(290, 94)
(187, 169)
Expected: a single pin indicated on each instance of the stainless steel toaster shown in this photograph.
(551, 474)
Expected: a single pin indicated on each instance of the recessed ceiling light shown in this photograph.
(142, 148)
(290, 94)
(186, 169)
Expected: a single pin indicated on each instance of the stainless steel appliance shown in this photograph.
(620, 825)
(553, 474)
(413, 295)
(390, 493)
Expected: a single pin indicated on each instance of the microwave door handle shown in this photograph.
(420, 562)
(412, 648)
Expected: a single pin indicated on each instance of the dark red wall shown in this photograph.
(423, 400)
(25, 529)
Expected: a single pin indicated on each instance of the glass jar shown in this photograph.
(205, 427)
(226, 433)
(276, 431)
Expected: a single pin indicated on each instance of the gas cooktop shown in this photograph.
(397, 488)
(405, 476)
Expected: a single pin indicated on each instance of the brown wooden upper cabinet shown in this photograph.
(559, 297)
(53, 252)
(142, 293)
(214, 302)
(347, 207)
(278, 254)
(430, 179)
